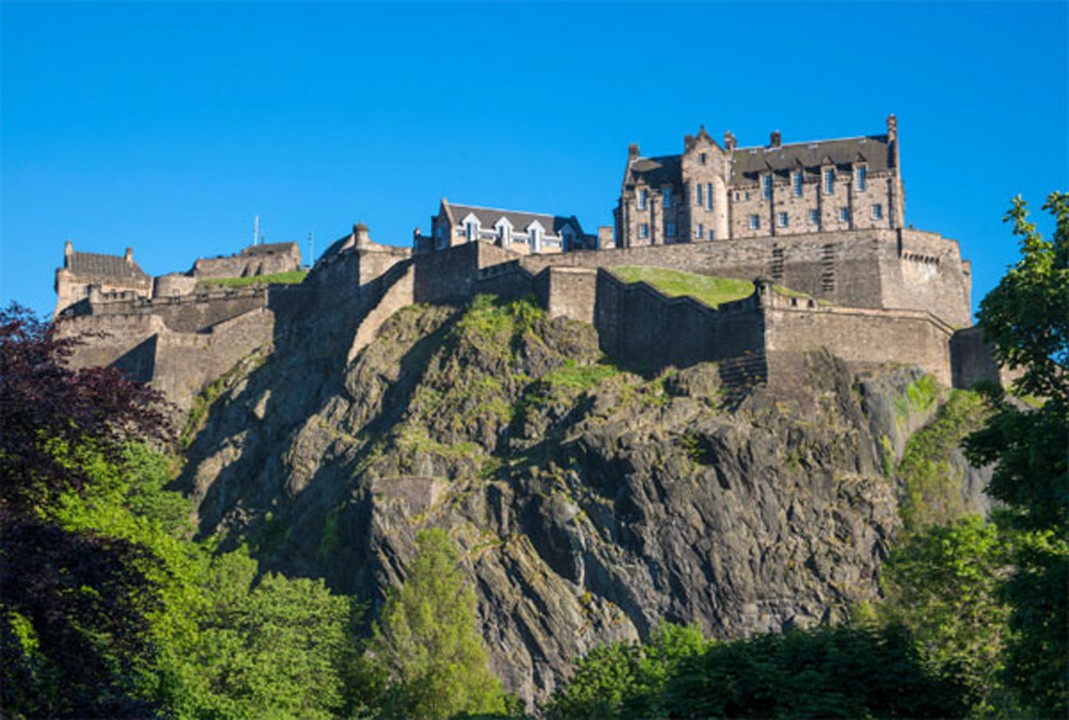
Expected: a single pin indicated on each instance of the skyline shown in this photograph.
(169, 127)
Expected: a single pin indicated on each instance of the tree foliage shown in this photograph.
(427, 643)
(1026, 318)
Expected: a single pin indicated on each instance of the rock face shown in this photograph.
(590, 502)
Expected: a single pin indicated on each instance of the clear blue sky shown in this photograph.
(167, 127)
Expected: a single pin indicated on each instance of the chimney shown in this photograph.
(632, 150)
(360, 235)
(68, 249)
(129, 257)
(775, 139)
(892, 128)
(729, 141)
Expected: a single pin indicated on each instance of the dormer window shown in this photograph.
(766, 186)
(471, 230)
(796, 183)
(859, 178)
(535, 233)
(642, 199)
(829, 181)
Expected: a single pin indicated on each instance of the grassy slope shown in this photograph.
(709, 289)
(285, 278)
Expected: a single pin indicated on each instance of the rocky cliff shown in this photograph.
(590, 501)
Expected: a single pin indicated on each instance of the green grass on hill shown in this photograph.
(708, 289)
(284, 278)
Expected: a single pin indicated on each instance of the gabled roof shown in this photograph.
(109, 267)
(281, 248)
(656, 171)
(520, 220)
(748, 163)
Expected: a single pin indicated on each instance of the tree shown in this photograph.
(74, 605)
(427, 641)
(1026, 318)
(942, 584)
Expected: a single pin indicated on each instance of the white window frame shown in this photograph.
(755, 222)
(877, 211)
(766, 186)
(813, 216)
(844, 214)
(796, 183)
(782, 219)
(642, 198)
(700, 232)
(860, 178)
(698, 195)
(708, 196)
(643, 231)
(829, 181)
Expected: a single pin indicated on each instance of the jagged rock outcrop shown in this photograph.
(590, 502)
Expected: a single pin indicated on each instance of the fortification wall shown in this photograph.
(639, 324)
(247, 264)
(849, 268)
(185, 363)
(858, 335)
(927, 273)
(568, 292)
(507, 280)
(187, 313)
(973, 362)
(108, 338)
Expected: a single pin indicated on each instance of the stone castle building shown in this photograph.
(519, 231)
(823, 219)
(712, 192)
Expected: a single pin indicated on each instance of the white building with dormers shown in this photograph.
(521, 232)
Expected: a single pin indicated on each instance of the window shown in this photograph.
(709, 195)
(844, 214)
(829, 182)
(746, 195)
(712, 234)
(644, 230)
(471, 230)
(670, 229)
(755, 222)
(536, 239)
(701, 231)
(814, 216)
(698, 195)
(796, 183)
(877, 212)
(666, 193)
(859, 177)
(642, 199)
(781, 219)
(766, 186)
(701, 158)
(736, 197)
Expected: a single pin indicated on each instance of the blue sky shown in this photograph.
(168, 126)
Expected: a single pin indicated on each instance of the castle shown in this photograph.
(824, 219)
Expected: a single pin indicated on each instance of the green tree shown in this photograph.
(626, 679)
(427, 641)
(1026, 318)
(942, 584)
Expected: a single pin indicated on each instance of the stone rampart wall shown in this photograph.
(188, 313)
(246, 265)
(640, 325)
(860, 336)
(568, 292)
(928, 274)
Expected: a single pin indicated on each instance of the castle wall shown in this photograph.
(188, 313)
(927, 272)
(250, 262)
(641, 326)
(860, 336)
(972, 361)
(568, 292)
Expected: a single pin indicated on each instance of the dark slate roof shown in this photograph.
(104, 266)
(656, 171)
(281, 248)
(520, 220)
(748, 163)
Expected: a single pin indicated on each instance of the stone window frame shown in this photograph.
(797, 182)
(708, 196)
(698, 195)
(766, 185)
(813, 216)
(828, 174)
(702, 157)
(781, 219)
(861, 172)
(666, 196)
(700, 232)
(643, 231)
(844, 214)
(877, 211)
(643, 198)
(755, 222)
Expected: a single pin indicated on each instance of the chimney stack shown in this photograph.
(892, 128)
(776, 139)
(632, 150)
(129, 257)
(729, 141)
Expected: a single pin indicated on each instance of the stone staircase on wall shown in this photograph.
(397, 291)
